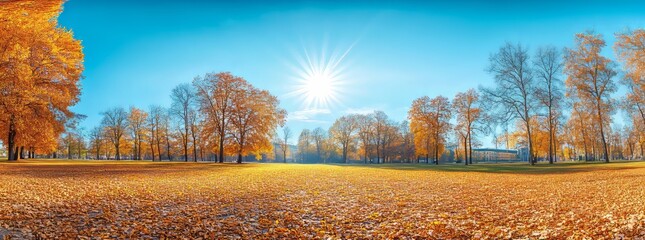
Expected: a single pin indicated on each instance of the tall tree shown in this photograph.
(365, 124)
(343, 132)
(216, 92)
(137, 124)
(318, 136)
(380, 133)
(466, 107)
(430, 122)
(284, 143)
(304, 144)
(548, 66)
(630, 48)
(115, 121)
(590, 78)
(40, 67)
(96, 141)
(183, 100)
(513, 94)
(255, 114)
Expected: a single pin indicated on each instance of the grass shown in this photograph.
(146, 200)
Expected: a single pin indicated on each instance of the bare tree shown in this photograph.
(115, 121)
(284, 143)
(343, 131)
(183, 99)
(365, 124)
(513, 94)
(318, 135)
(548, 66)
(380, 133)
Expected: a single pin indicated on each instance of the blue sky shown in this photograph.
(135, 53)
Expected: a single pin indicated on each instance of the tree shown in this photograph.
(255, 114)
(183, 98)
(284, 144)
(96, 140)
(365, 124)
(513, 94)
(304, 143)
(318, 136)
(342, 132)
(590, 78)
(630, 48)
(115, 121)
(380, 133)
(430, 122)
(548, 65)
(137, 124)
(216, 92)
(155, 121)
(466, 107)
(40, 66)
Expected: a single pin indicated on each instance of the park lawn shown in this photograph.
(132, 199)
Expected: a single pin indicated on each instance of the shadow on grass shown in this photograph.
(515, 168)
(86, 168)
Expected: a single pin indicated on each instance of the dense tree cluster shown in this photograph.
(218, 115)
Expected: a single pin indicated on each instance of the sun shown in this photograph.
(320, 88)
(319, 79)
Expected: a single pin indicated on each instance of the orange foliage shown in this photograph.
(40, 65)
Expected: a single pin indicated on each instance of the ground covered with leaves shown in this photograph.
(63, 199)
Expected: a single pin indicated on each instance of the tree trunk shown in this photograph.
(11, 140)
(220, 156)
(465, 152)
(602, 131)
(118, 154)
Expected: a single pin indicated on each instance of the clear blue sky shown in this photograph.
(135, 53)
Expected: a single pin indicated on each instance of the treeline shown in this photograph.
(218, 115)
(554, 104)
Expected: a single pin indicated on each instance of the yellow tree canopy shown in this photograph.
(40, 66)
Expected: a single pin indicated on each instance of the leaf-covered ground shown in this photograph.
(59, 199)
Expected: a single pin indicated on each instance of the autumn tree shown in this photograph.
(549, 91)
(115, 121)
(137, 125)
(216, 92)
(630, 48)
(590, 78)
(430, 122)
(40, 67)
(466, 107)
(284, 143)
(514, 93)
(254, 115)
(343, 132)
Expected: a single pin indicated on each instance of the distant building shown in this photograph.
(495, 155)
